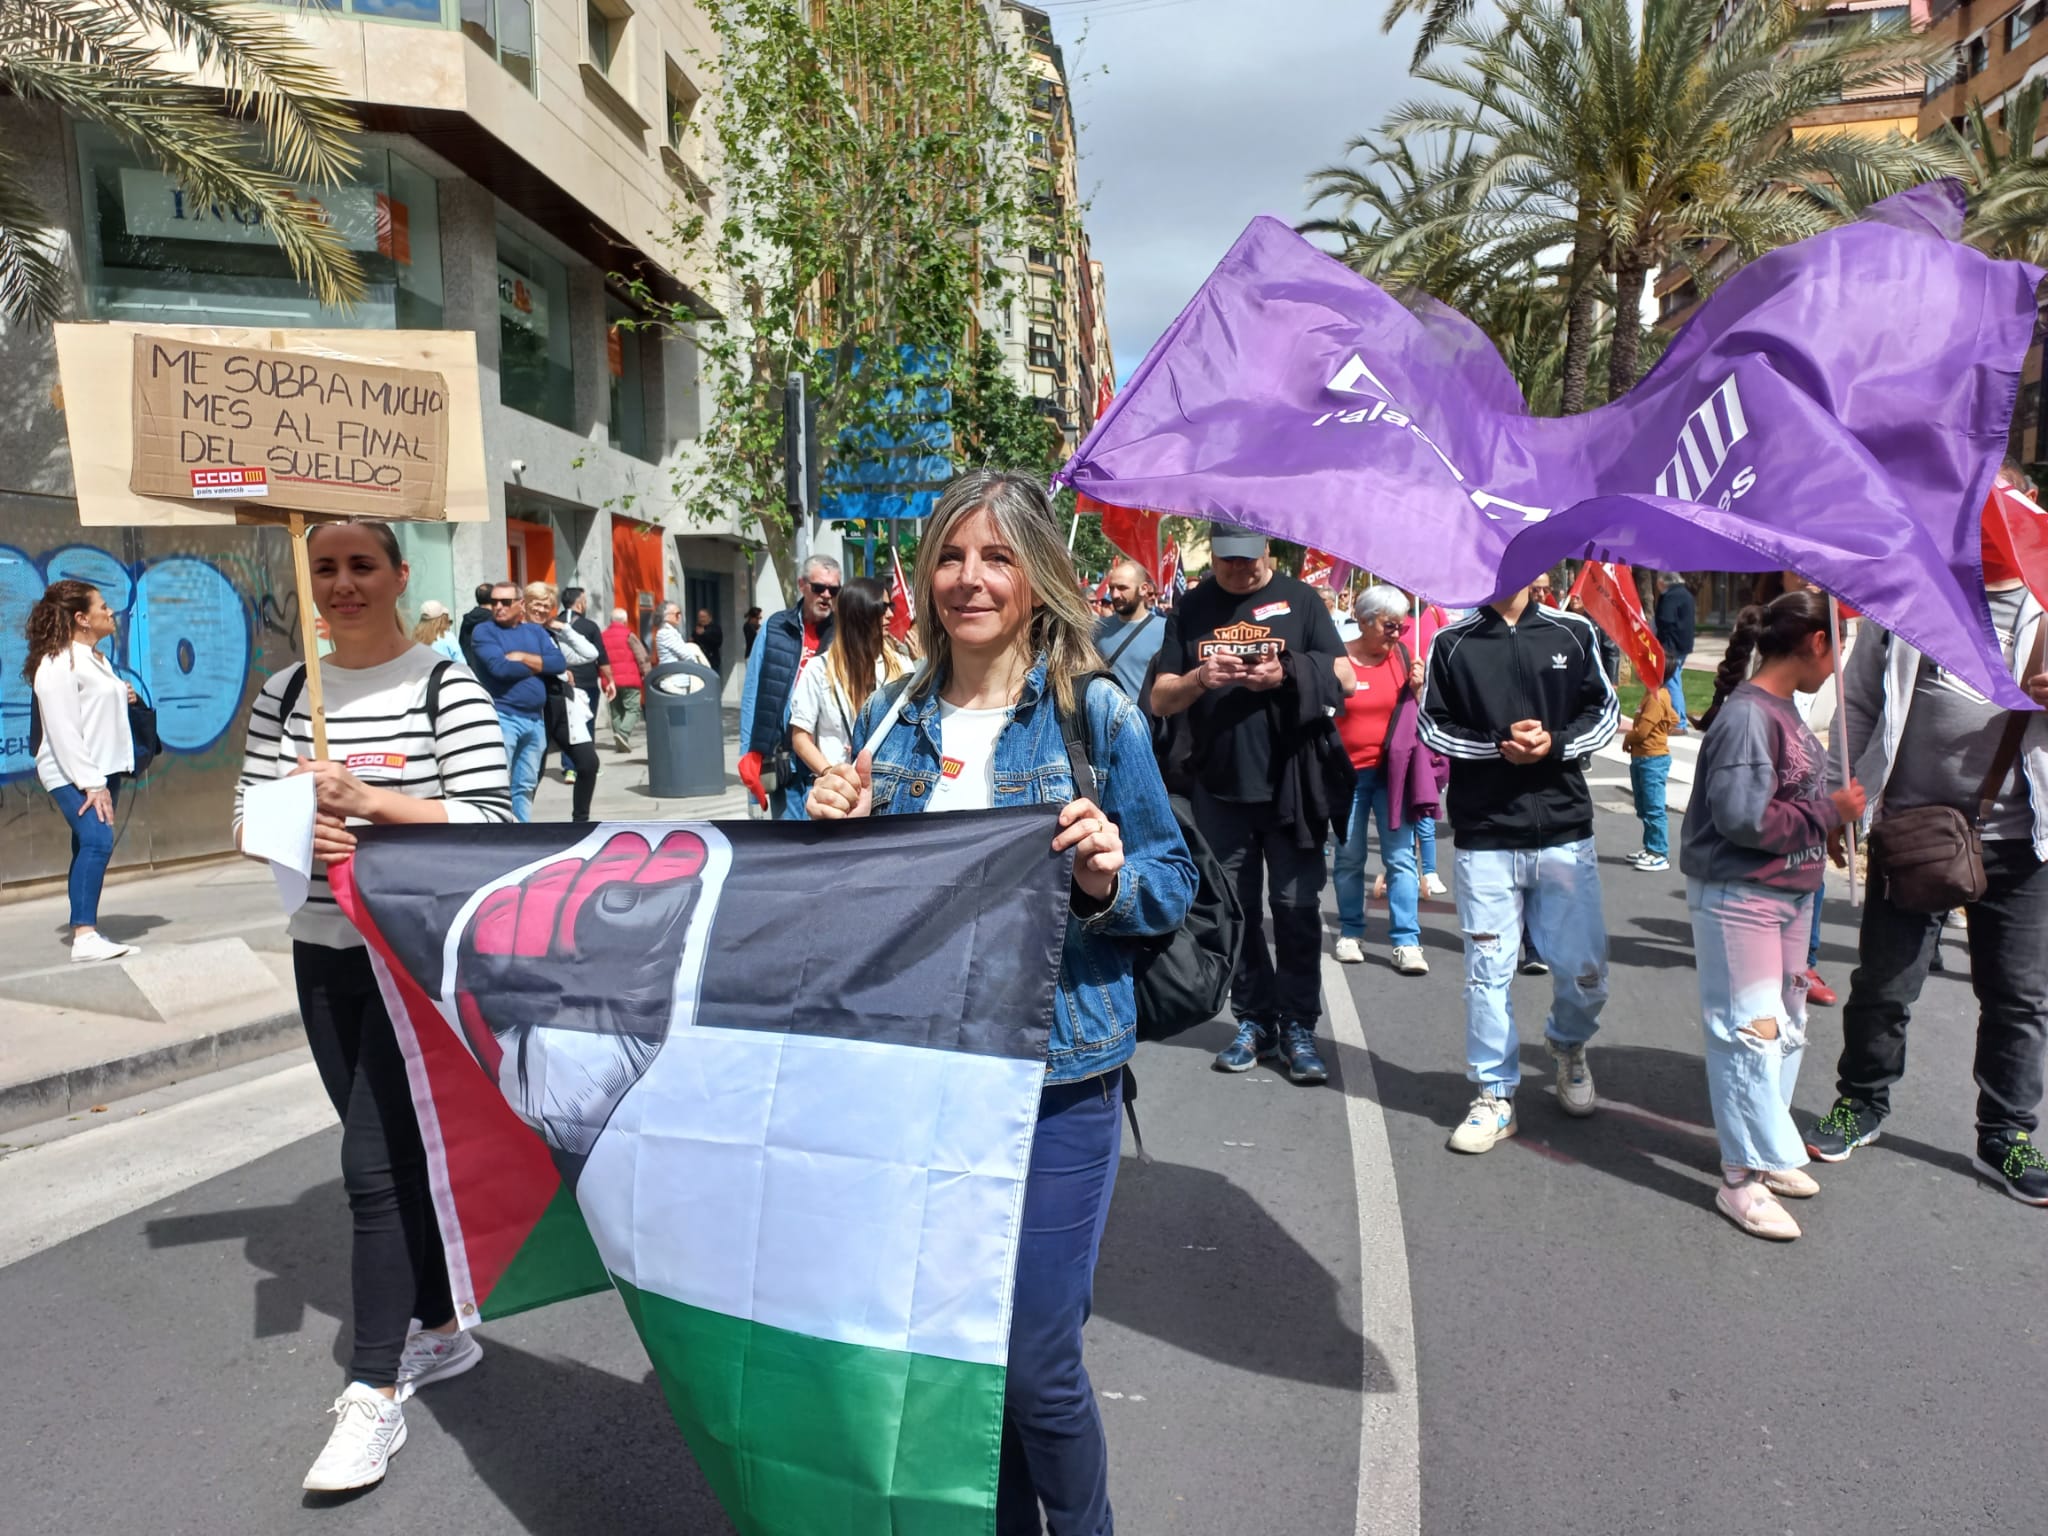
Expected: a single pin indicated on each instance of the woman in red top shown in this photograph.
(1378, 730)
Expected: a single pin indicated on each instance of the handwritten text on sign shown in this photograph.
(294, 431)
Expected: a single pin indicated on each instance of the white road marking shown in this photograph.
(54, 1191)
(1390, 1431)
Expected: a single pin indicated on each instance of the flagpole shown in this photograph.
(1839, 731)
(1075, 526)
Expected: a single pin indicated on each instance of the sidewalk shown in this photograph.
(212, 982)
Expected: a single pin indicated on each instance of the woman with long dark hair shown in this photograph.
(830, 695)
(1760, 825)
(1007, 641)
(412, 737)
(86, 745)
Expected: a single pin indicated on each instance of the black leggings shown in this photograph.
(396, 1268)
(584, 756)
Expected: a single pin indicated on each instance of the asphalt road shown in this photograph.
(1593, 1349)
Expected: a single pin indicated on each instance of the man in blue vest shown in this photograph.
(786, 643)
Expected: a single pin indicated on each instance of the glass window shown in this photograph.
(628, 420)
(153, 253)
(679, 101)
(398, 10)
(2020, 26)
(598, 28)
(504, 30)
(535, 374)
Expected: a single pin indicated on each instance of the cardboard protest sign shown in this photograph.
(299, 433)
(218, 425)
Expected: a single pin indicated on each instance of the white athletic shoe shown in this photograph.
(1488, 1120)
(1349, 952)
(370, 1430)
(1408, 960)
(1574, 1079)
(87, 947)
(1431, 886)
(430, 1357)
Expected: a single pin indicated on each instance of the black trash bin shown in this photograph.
(685, 731)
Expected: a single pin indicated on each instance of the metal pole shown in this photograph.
(1074, 527)
(1838, 729)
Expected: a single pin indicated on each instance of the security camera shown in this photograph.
(519, 466)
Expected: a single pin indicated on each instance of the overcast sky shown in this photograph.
(1196, 115)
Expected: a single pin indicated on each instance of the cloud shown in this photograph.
(1197, 116)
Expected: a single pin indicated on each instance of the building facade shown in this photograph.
(523, 161)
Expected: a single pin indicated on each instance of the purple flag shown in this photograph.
(1838, 408)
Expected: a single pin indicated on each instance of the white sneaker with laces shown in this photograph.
(430, 1357)
(1489, 1120)
(1431, 886)
(1408, 960)
(1574, 1079)
(87, 947)
(370, 1430)
(1349, 952)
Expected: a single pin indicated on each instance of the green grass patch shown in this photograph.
(1699, 693)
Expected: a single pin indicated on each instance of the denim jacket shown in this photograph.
(1095, 1024)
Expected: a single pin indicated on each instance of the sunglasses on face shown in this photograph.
(823, 589)
(505, 602)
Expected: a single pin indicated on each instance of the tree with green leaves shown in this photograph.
(872, 160)
(1632, 134)
(271, 127)
(2008, 177)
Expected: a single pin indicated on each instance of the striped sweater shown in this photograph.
(377, 723)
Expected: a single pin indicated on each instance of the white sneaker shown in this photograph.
(370, 1432)
(1651, 863)
(1408, 960)
(96, 946)
(1431, 886)
(1489, 1120)
(1574, 1079)
(1350, 952)
(430, 1357)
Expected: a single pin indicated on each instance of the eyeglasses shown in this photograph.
(505, 602)
(823, 589)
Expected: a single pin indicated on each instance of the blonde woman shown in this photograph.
(436, 630)
(1006, 637)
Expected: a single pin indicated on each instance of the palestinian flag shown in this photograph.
(775, 1082)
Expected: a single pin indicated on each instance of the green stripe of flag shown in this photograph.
(556, 1261)
(796, 1433)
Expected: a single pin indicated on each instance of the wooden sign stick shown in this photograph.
(309, 634)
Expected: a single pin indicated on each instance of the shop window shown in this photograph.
(153, 252)
(628, 417)
(535, 372)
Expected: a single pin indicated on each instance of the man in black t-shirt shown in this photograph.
(1221, 663)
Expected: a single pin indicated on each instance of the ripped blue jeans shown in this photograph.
(1556, 892)
(1749, 942)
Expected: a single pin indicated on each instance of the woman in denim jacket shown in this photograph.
(1007, 636)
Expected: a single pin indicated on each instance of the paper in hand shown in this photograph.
(277, 824)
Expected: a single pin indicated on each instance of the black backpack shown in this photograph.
(288, 696)
(1182, 978)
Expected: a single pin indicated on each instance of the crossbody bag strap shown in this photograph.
(1125, 644)
(2015, 728)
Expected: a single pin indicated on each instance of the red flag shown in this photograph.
(1102, 590)
(902, 608)
(1173, 585)
(2016, 537)
(1318, 569)
(1133, 532)
(1608, 591)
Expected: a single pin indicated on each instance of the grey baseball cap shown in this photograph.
(1227, 541)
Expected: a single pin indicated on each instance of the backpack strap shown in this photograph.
(1074, 732)
(288, 698)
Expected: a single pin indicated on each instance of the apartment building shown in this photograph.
(1050, 319)
(521, 159)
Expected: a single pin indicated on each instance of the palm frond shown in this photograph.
(34, 287)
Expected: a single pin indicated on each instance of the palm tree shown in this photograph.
(1630, 147)
(2008, 214)
(114, 63)
(1438, 17)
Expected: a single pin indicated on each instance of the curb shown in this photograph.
(80, 1088)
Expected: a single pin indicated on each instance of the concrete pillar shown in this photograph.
(469, 281)
(592, 413)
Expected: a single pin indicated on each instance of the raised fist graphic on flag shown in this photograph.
(565, 981)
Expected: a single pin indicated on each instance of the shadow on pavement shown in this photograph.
(566, 1448)
(1191, 1259)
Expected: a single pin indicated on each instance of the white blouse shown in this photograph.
(84, 709)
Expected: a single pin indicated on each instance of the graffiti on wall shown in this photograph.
(182, 638)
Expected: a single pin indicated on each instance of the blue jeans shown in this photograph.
(526, 744)
(1369, 803)
(92, 846)
(1425, 838)
(1747, 942)
(1647, 776)
(1675, 686)
(1053, 1452)
(1813, 944)
(1557, 892)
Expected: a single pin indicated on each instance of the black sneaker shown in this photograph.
(1849, 1125)
(2011, 1159)
(1298, 1054)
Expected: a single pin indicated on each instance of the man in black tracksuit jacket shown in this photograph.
(1516, 697)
